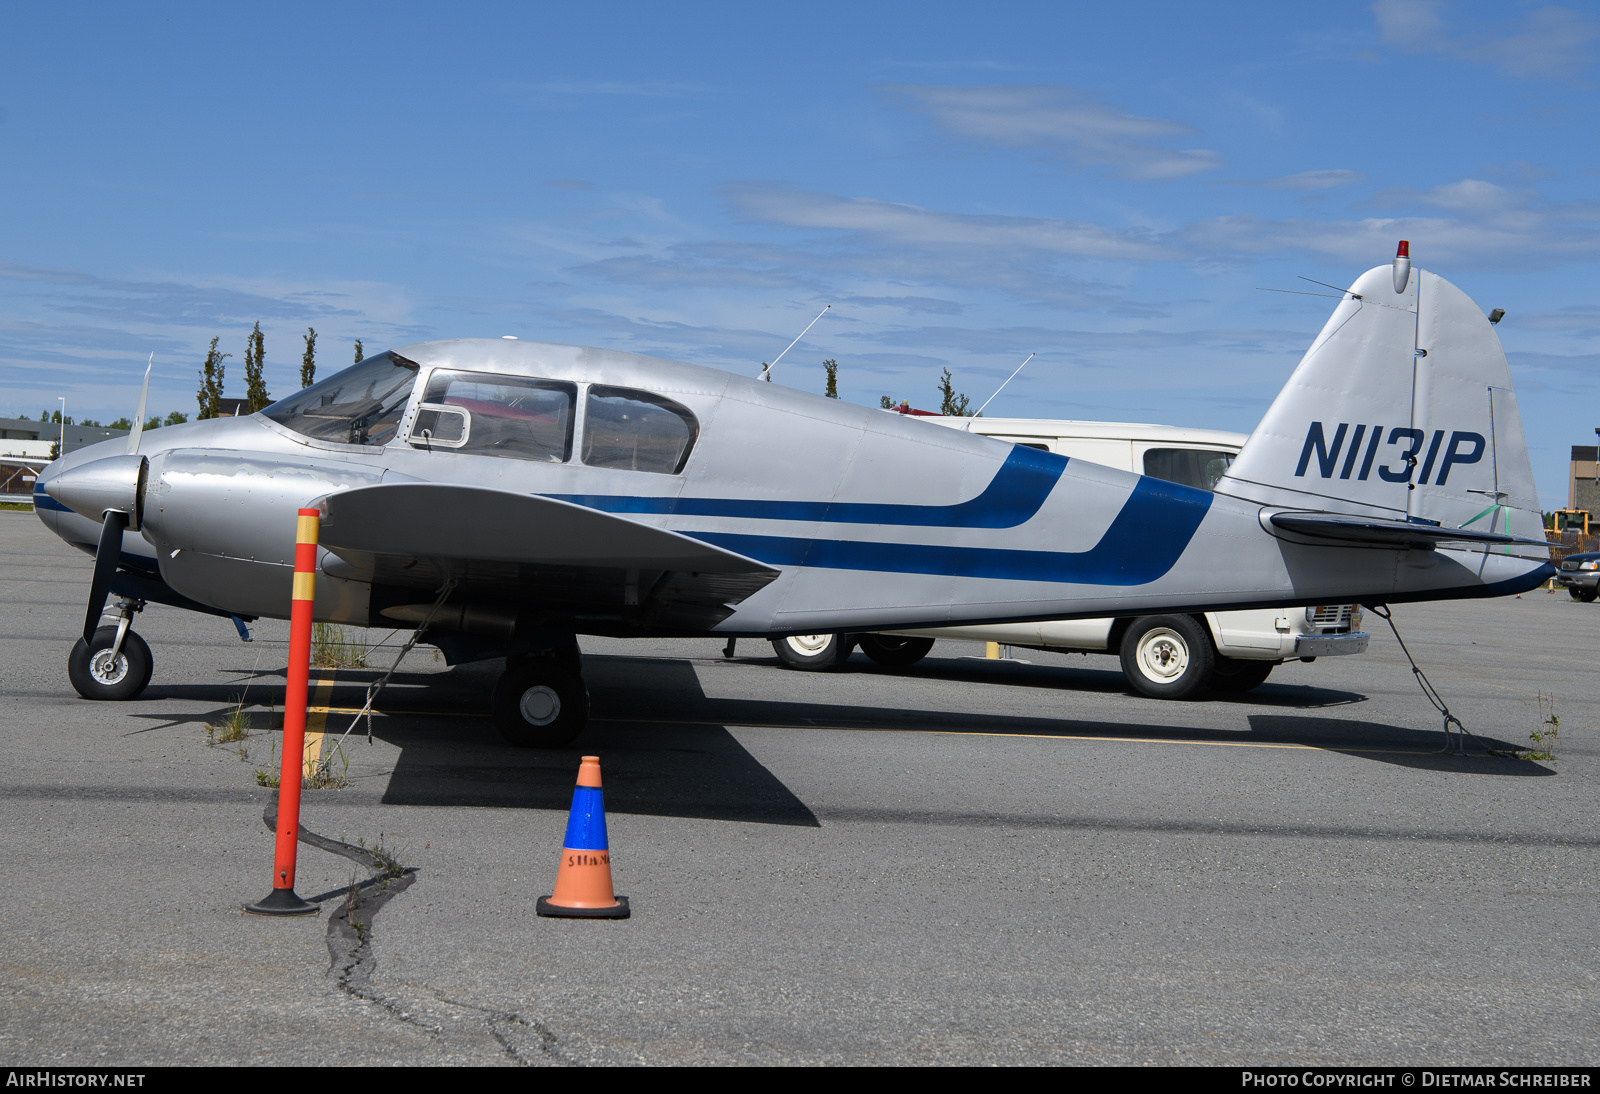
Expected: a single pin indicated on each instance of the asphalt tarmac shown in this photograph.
(968, 862)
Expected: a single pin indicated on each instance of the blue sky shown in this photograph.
(1106, 185)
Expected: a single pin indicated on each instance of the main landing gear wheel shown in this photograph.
(1167, 656)
(814, 651)
(1236, 676)
(894, 651)
(95, 674)
(540, 703)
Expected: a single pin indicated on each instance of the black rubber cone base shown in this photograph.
(556, 911)
(282, 902)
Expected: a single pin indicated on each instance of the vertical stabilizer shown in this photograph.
(1401, 409)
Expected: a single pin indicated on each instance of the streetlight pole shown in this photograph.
(61, 438)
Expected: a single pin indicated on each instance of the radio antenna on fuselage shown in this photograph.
(766, 370)
(1002, 387)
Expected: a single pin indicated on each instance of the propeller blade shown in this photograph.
(106, 556)
(138, 417)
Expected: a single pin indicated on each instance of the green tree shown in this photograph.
(177, 417)
(210, 396)
(308, 361)
(121, 423)
(956, 406)
(44, 415)
(255, 358)
(89, 421)
(360, 353)
(832, 368)
(55, 449)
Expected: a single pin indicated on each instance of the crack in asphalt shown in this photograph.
(353, 961)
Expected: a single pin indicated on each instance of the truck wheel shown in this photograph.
(1166, 656)
(1589, 597)
(894, 651)
(1574, 592)
(1236, 677)
(814, 651)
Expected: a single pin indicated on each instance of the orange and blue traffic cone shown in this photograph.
(583, 881)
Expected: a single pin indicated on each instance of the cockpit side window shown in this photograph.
(361, 405)
(636, 431)
(1197, 467)
(494, 415)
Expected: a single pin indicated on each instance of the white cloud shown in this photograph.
(911, 225)
(1067, 122)
(1528, 240)
(1552, 43)
(1310, 180)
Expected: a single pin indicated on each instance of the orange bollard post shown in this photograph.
(283, 900)
(583, 880)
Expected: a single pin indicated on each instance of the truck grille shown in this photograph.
(1329, 615)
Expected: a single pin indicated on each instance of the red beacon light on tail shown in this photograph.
(1402, 265)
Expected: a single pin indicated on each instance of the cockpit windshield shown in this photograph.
(361, 405)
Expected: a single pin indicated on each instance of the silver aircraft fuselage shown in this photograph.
(813, 515)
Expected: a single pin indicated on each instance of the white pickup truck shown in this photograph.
(1165, 656)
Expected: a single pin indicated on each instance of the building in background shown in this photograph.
(25, 447)
(1583, 481)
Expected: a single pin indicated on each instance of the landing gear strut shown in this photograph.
(540, 700)
(116, 664)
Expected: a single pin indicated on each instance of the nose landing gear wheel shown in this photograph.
(1166, 656)
(539, 703)
(95, 674)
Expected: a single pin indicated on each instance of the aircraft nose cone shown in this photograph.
(91, 489)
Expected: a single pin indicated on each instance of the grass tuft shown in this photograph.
(1544, 737)
(331, 648)
(235, 726)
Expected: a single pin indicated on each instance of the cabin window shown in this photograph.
(363, 404)
(492, 415)
(636, 431)
(1197, 467)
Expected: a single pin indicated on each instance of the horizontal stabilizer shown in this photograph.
(472, 523)
(1376, 532)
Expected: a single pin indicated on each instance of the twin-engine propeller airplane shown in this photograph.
(517, 494)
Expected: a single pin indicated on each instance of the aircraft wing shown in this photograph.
(1377, 532)
(523, 547)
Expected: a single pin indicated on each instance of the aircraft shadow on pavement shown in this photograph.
(669, 770)
(1415, 748)
(1097, 680)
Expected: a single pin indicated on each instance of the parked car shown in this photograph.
(1580, 573)
(1163, 656)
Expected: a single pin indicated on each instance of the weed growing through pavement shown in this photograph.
(331, 648)
(235, 726)
(1544, 737)
(323, 778)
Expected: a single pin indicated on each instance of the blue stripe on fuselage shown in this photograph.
(44, 501)
(1012, 497)
(1145, 540)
